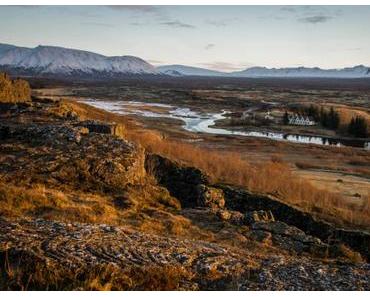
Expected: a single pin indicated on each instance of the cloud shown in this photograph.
(354, 49)
(107, 25)
(209, 46)
(136, 11)
(289, 8)
(220, 23)
(315, 19)
(225, 66)
(137, 8)
(177, 24)
(155, 62)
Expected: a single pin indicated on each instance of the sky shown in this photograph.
(225, 38)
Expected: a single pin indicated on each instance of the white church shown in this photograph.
(300, 120)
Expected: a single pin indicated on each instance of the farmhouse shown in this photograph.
(300, 120)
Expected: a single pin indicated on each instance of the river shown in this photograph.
(203, 122)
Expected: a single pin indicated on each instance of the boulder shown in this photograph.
(210, 197)
(288, 237)
(224, 215)
(181, 181)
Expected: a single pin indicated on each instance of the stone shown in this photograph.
(210, 197)
(259, 216)
(224, 215)
(261, 236)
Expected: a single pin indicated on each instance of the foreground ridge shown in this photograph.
(85, 246)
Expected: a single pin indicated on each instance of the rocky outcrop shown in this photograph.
(104, 128)
(243, 201)
(72, 155)
(71, 247)
(13, 91)
(184, 183)
(288, 237)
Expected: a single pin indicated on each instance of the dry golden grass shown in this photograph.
(38, 275)
(346, 114)
(274, 177)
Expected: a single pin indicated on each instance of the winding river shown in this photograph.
(204, 122)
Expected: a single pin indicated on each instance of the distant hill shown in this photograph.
(350, 72)
(176, 70)
(17, 90)
(293, 72)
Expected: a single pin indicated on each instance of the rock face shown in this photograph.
(288, 237)
(193, 189)
(73, 156)
(242, 200)
(13, 91)
(104, 128)
(184, 183)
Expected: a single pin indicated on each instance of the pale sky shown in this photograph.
(217, 37)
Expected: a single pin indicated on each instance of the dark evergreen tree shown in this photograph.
(358, 127)
(333, 119)
(286, 118)
(324, 118)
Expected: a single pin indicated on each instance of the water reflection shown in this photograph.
(204, 122)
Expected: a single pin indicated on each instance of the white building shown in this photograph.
(268, 116)
(300, 120)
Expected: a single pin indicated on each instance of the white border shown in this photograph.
(185, 2)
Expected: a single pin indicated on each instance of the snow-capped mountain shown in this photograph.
(64, 61)
(298, 72)
(177, 70)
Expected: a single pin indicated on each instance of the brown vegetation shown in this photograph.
(103, 277)
(12, 91)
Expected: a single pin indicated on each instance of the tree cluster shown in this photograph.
(358, 127)
(328, 119)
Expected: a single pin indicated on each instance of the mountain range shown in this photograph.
(59, 61)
